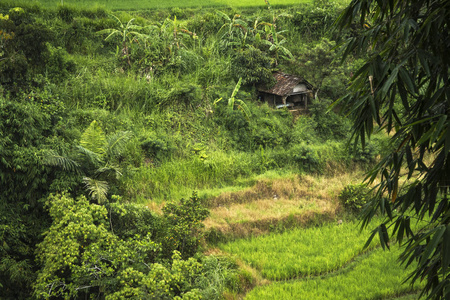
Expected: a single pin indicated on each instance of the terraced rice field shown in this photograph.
(326, 262)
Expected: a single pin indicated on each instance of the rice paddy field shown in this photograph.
(155, 4)
(375, 275)
(300, 252)
(326, 262)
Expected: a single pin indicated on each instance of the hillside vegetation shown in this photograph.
(133, 143)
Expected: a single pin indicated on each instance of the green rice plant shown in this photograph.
(377, 275)
(301, 252)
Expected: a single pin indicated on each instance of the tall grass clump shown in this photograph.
(109, 91)
(176, 178)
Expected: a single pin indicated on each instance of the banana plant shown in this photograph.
(233, 102)
(274, 38)
(275, 42)
(127, 32)
(234, 31)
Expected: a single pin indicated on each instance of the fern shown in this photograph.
(109, 170)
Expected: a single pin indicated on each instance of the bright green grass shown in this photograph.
(301, 252)
(157, 4)
(376, 276)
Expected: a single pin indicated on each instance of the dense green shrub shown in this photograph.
(183, 225)
(59, 64)
(205, 24)
(328, 124)
(80, 257)
(23, 48)
(66, 13)
(316, 19)
(254, 67)
(157, 146)
(354, 196)
(128, 219)
(306, 157)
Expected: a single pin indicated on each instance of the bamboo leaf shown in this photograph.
(432, 245)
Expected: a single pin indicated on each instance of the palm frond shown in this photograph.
(223, 15)
(117, 20)
(236, 88)
(91, 157)
(109, 170)
(94, 139)
(52, 158)
(97, 189)
(244, 108)
(116, 143)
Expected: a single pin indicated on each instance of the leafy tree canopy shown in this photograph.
(404, 89)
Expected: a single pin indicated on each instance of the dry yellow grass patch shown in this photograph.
(155, 207)
(291, 201)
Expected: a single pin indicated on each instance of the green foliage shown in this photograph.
(25, 131)
(59, 64)
(98, 118)
(157, 146)
(328, 124)
(233, 102)
(93, 139)
(19, 231)
(81, 257)
(253, 66)
(306, 157)
(316, 20)
(402, 88)
(320, 65)
(184, 224)
(96, 158)
(354, 196)
(128, 220)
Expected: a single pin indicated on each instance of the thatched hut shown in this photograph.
(290, 91)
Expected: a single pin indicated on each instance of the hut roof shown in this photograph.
(286, 83)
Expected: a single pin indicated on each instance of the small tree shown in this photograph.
(184, 224)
